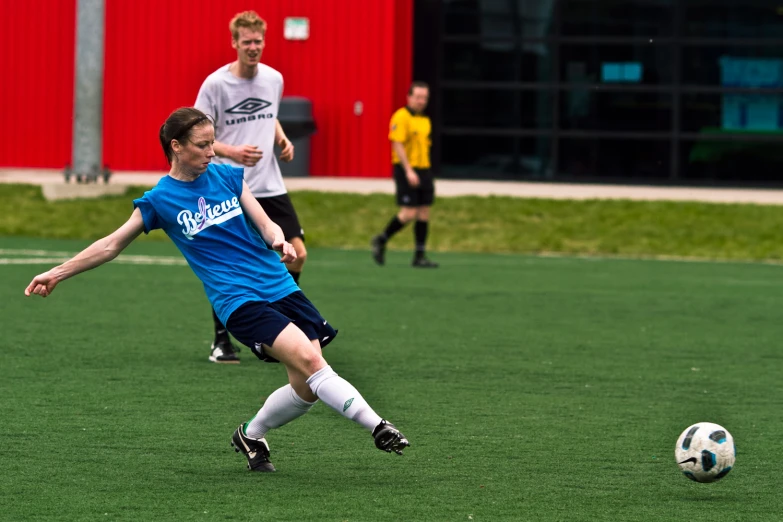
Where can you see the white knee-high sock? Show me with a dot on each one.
(340, 395)
(280, 408)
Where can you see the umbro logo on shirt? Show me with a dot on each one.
(249, 106)
(248, 109)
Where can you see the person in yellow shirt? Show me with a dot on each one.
(410, 135)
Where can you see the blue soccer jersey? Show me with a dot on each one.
(204, 219)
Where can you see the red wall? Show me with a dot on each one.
(36, 60)
(158, 53)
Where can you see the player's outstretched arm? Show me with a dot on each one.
(270, 231)
(100, 252)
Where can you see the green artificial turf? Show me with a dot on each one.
(531, 388)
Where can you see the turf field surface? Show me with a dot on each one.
(530, 388)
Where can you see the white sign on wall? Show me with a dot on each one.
(296, 28)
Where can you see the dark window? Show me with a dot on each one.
(732, 66)
(732, 112)
(461, 17)
(507, 109)
(740, 161)
(599, 77)
(503, 18)
(494, 157)
(732, 18)
(615, 111)
(616, 64)
(640, 18)
(604, 158)
(497, 60)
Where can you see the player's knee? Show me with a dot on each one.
(311, 361)
(407, 214)
(423, 213)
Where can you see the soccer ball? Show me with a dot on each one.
(705, 452)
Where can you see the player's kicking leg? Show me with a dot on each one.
(310, 379)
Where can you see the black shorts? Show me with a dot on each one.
(421, 196)
(280, 209)
(258, 323)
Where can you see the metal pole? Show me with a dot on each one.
(87, 147)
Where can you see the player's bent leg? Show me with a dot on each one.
(301, 358)
(222, 350)
(341, 396)
(298, 380)
(283, 406)
(296, 352)
(304, 362)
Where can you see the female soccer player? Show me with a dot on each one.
(207, 211)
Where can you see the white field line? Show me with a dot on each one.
(23, 252)
(50, 256)
(45, 257)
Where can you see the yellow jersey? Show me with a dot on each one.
(414, 132)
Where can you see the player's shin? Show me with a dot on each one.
(281, 407)
(341, 396)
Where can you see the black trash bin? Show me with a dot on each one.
(296, 117)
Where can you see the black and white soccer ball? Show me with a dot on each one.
(705, 452)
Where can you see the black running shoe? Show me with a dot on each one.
(388, 438)
(378, 249)
(423, 262)
(223, 352)
(256, 451)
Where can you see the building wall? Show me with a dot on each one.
(37, 60)
(158, 53)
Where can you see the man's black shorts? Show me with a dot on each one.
(421, 196)
(281, 211)
(258, 323)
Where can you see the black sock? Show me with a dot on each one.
(221, 333)
(394, 226)
(295, 275)
(420, 234)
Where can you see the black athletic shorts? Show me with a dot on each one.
(280, 209)
(257, 324)
(421, 196)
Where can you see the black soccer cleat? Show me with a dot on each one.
(256, 451)
(378, 250)
(423, 262)
(388, 438)
(223, 352)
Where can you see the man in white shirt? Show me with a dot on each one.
(243, 98)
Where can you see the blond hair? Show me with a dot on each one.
(249, 20)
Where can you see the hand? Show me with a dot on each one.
(287, 147)
(247, 155)
(42, 284)
(413, 178)
(285, 248)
